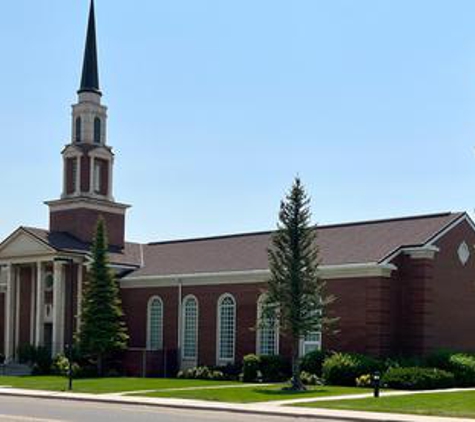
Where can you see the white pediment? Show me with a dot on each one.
(23, 244)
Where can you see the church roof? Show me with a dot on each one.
(90, 70)
(352, 243)
(130, 255)
(340, 244)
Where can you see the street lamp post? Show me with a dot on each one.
(70, 263)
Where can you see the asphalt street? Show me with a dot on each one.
(16, 409)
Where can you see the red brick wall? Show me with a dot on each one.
(82, 223)
(2, 322)
(85, 173)
(26, 278)
(451, 322)
(364, 307)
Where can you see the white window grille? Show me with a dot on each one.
(226, 328)
(312, 341)
(190, 328)
(155, 324)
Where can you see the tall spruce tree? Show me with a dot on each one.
(103, 331)
(294, 288)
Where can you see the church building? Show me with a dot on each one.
(402, 285)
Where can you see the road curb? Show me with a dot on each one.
(287, 412)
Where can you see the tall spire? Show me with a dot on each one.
(90, 72)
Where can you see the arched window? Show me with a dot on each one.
(155, 324)
(226, 328)
(78, 129)
(268, 329)
(190, 328)
(97, 130)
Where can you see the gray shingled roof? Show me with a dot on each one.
(351, 243)
(362, 242)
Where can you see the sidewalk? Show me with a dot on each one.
(267, 408)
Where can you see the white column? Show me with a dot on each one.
(40, 305)
(9, 315)
(110, 175)
(77, 182)
(58, 309)
(91, 176)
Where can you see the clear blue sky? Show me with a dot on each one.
(216, 105)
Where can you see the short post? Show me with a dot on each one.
(376, 384)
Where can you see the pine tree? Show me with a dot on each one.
(294, 288)
(103, 331)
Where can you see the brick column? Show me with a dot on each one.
(416, 297)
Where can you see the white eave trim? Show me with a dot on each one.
(327, 272)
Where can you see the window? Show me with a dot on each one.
(268, 330)
(78, 129)
(311, 342)
(97, 130)
(226, 328)
(155, 324)
(190, 328)
(97, 176)
(48, 282)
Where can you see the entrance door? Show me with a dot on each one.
(48, 339)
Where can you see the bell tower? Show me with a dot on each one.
(88, 162)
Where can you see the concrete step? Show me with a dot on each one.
(14, 370)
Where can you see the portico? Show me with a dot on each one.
(37, 286)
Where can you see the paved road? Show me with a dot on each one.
(15, 409)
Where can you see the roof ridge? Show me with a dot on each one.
(324, 226)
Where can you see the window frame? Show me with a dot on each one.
(219, 358)
(183, 327)
(149, 323)
(260, 303)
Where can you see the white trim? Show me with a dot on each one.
(219, 359)
(184, 358)
(33, 293)
(462, 218)
(149, 304)
(40, 295)
(327, 272)
(87, 203)
(22, 231)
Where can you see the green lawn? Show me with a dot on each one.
(103, 385)
(255, 394)
(456, 404)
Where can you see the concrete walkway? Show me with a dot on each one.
(267, 408)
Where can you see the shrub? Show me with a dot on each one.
(250, 368)
(418, 378)
(2, 358)
(231, 371)
(312, 362)
(460, 364)
(274, 368)
(60, 366)
(38, 358)
(265, 368)
(344, 368)
(201, 373)
(364, 381)
(310, 379)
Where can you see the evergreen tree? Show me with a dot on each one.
(295, 289)
(103, 331)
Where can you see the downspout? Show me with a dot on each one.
(180, 294)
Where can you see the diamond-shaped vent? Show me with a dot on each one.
(463, 253)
